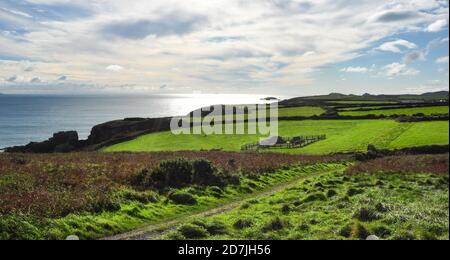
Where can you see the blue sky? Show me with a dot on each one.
(276, 47)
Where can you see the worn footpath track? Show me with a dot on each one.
(156, 231)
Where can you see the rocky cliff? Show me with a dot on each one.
(101, 135)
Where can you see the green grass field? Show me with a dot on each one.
(300, 111)
(400, 111)
(342, 136)
(306, 111)
(362, 102)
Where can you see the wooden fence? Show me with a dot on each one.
(287, 143)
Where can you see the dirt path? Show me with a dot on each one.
(153, 232)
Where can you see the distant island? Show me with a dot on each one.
(270, 99)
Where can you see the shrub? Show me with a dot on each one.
(178, 172)
(192, 231)
(181, 173)
(204, 173)
(182, 198)
(243, 223)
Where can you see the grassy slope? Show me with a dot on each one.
(342, 136)
(401, 111)
(389, 205)
(422, 134)
(135, 214)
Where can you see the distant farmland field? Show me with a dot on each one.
(300, 111)
(362, 102)
(342, 136)
(400, 111)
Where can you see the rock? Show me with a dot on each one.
(101, 135)
(60, 142)
(61, 138)
(122, 130)
(72, 238)
(372, 238)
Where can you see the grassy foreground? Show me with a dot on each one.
(342, 136)
(94, 195)
(371, 199)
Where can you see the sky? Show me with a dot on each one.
(276, 47)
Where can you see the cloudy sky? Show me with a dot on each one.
(283, 47)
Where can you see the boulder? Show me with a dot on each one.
(372, 238)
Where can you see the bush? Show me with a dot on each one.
(192, 231)
(181, 173)
(182, 198)
(178, 173)
(204, 174)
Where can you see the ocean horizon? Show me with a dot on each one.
(34, 118)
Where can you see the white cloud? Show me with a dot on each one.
(114, 68)
(442, 60)
(399, 69)
(355, 70)
(257, 44)
(394, 46)
(15, 12)
(437, 26)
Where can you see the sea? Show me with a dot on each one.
(34, 118)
